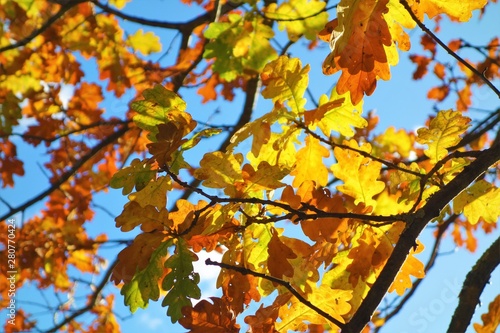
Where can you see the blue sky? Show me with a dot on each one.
(400, 102)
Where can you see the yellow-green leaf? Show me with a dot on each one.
(482, 199)
(336, 114)
(358, 173)
(444, 132)
(286, 81)
(310, 165)
(146, 43)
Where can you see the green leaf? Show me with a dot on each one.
(181, 282)
(156, 108)
(239, 45)
(137, 175)
(144, 284)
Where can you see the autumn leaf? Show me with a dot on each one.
(279, 253)
(491, 319)
(359, 43)
(481, 200)
(159, 106)
(337, 114)
(358, 173)
(240, 45)
(455, 9)
(332, 301)
(412, 266)
(285, 80)
(309, 165)
(147, 217)
(137, 175)
(299, 17)
(181, 283)
(144, 285)
(219, 170)
(444, 132)
(146, 43)
(206, 317)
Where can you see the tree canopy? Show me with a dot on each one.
(232, 142)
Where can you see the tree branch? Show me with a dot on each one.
(292, 290)
(473, 286)
(408, 238)
(110, 139)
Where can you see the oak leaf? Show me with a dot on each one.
(206, 317)
(146, 43)
(279, 254)
(444, 132)
(137, 175)
(481, 200)
(491, 319)
(336, 114)
(412, 266)
(285, 80)
(299, 17)
(309, 164)
(144, 285)
(358, 173)
(181, 282)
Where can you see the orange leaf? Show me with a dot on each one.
(279, 253)
(206, 317)
(491, 319)
(412, 266)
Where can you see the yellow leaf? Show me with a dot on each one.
(146, 43)
(286, 81)
(332, 301)
(358, 173)
(460, 10)
(412, 266)
(336, 114)
(309, 165)
(443, 132)
(118, 3)
(396, 141)
(491, 319)
(480, 200)
(299, 17)
(220, 170)
(154, 193)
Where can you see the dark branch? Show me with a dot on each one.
(473, 286)
(408, 238)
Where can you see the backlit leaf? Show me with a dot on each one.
(144, 285)
(358, 173)
(481, 200)
(285, 81)
(444, 132)
(310, 165)
(146, 43)
(181, 282)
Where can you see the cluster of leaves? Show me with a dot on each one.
(309, 206)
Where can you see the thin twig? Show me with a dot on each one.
(444, 46)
